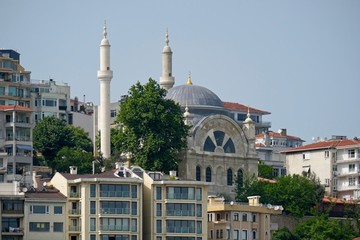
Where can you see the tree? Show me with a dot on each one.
(151, 128)
(284, 234)
(74, 157)
(265, 171)
(80, 139)
(49, 136)
(297, 194)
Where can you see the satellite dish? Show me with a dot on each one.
(269, 206)
(276, 208)
(231, 203)
(24, 189)
(281, 208)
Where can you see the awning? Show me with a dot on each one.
(24, 147)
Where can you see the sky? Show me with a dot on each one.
(299, 60)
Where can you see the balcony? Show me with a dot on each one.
(73, 228)
(115, 211)
(62, 108)
(74, 212)
(180, 230)
(13, 231)
(74, 195)
(115, 227)
(180, 213)
(348, 187)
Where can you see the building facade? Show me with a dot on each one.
(240, 221)
(174, 208)
(106, 206)
(336, 162)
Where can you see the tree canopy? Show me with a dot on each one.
(51, 136)
(297, 194)
(151, 129)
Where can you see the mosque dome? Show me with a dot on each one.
(193, 95)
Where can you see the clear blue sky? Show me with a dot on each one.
(300, 60)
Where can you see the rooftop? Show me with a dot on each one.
(328, 144)
(243, 108)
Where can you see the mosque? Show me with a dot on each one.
(221, 149)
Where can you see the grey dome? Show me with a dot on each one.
(193, 95)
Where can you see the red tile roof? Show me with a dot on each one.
(240, 107)
(14, 107)
(325, 145)
(279, 135)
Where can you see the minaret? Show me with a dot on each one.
(104, 75)
(167, 80)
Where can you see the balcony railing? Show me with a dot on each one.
(180, 230)
(180, 213)
(74, 211)
(115, 228)
(115, 211)
(74, 194)
(114, 194)
(73, 228)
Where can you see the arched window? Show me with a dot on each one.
(229, 177)
(208, 174)
(217, 141)
(240, 178)
(198, 173)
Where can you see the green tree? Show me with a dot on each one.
(151, 128)
(297, 194)
(284, 234)
(49, 136)
(80, 139)
(321, 227)
(74, 157)
(265, 171)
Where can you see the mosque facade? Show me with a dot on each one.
(220, 149)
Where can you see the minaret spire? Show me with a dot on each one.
(167, 80)
(105, 33)
(104, 75)
(189, 82)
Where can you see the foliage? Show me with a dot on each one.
(49, 136)
(265, 171)
(80, 139)
(284, 234)
(151, 129)
(74, 157)
(321, 227)
(297, 194)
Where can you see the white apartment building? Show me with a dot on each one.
(106, 206)
(269, 145)
(336, 162)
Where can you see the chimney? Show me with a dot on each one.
(282, 131)
(73, 170)
(172, 174)
(34, 179)
(254, 200)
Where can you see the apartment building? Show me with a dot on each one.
(269, 145)
(335, 161)
(44, 212)
(106, 206)
(174, 208)
(241, 221)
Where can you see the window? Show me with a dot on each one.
(114, 190)
(236, 216)
(58, 209)
(58, 227)
(180, 226)
(39, 209)
(229, 177)
(198, 227)
(92, 224)
(254, 217)
(211, 234)
(244, 217)
(244, 235)
(198, 194)
(180, 209)
(39, 226)
(180, 193)
(306, 156)
(210, 217)
(351, 167)
(217, 141)
(158, 193)
(283, 172)
(92, 190)
(351, 181)
(275, 172)
(236, 235)
(208, 174)
(327, 154)
(115, 224)
(198, 173)
(351, 153)
(133, 225)
(114, 207)
(133, 191)
(133, 208)
(92, 207)
(227, 233)
(198, 210)
(112, 113)
(92, 237)
(158, 209)
(253, 234)
(158, 226)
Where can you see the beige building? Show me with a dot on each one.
(173, 208)
(44, 213)
(336, 162)
(240, 221)
(106, 206)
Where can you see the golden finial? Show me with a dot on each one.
(189, 82)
